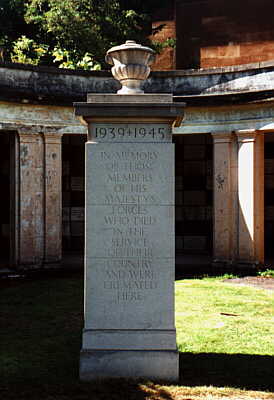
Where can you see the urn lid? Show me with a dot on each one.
(128, 45)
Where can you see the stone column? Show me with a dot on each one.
(223, 243)
(31, 194)
(129, 254)
(53, 197)
(259, 198)
(251, 197)
(235, 199)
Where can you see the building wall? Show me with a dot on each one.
(163, 29)
(237, 205)
(231, 120)
(216, 33)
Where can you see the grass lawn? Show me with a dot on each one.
(224, 334)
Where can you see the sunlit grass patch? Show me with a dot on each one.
(219, 317)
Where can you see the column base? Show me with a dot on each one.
(148, 364)
(235, 265)
(218, 263)
(248, 265)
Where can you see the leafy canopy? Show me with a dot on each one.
(71, 33)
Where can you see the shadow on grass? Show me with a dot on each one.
(111, 389)
(243, 371)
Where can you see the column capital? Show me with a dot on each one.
(221, 137)
(27, 131)
(40, 129)
(26, 136)
(53, 137)
(248, 135)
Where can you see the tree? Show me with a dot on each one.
(85, 28)
(74, 33)
(11, 22)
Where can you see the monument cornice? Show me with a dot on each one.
(168, 110)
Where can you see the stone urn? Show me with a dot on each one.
(131, 63)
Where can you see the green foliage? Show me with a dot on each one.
(73, 33)
(84, 28)
(12, 24)
(63, 57)
(26, 51)
(160, 46)
(268, 273)
(229, 276)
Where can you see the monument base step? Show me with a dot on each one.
(148, 364)
(129, 339)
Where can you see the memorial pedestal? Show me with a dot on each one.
(129, 250)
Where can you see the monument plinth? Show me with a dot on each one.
(129, 248)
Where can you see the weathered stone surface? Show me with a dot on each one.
(53, 197)
(251, 197)
(112, 110)
(160, 365)
(223, 222)
(131, 63)
(130, 291)
(229, 119)
(31, 181)
(130, 234)
(144, 98)
(55, 86)
(129, 175)
(130, 249)
(125, 339)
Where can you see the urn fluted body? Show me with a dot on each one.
(131, 63)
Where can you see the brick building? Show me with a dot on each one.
(214, 33)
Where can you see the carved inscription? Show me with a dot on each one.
(129, 266)
(128, 132)
(131, 176)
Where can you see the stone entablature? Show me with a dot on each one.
(259, 116)
(43, 118)
(40, 118)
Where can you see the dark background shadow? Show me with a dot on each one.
(203, 24)
(244, 371)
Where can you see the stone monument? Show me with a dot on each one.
(129, 236)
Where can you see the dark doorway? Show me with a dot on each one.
(7, 186)
(269, 195)
(73, 194)
(193, 198)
